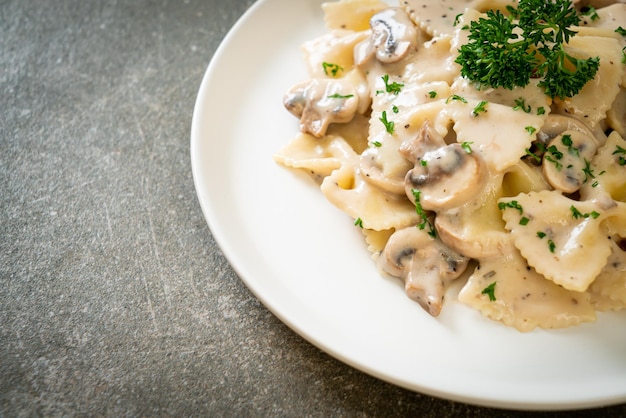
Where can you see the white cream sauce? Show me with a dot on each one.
(528, 188)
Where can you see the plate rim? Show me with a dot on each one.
(222, 241)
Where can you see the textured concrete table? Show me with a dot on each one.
(114, 298)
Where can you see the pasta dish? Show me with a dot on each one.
(472, 141)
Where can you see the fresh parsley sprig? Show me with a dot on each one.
(507, 51)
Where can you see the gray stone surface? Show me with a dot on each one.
(114, 298)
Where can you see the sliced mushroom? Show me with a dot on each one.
(425, 264)
(475, 229)
(569, 147)
(555, 124)
(566, 159)
(446, 177)
(319, 102)
(426, 139)
(393, 37)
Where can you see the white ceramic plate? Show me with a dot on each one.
(307, 262)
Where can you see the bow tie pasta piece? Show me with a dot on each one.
(559, 237)
(332, 55)
(316, 156)
(376, 240)
(597, 96)
(439, 17)
(508, 290)
(349, 191)
(501, 133)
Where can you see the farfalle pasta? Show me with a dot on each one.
(520, 193)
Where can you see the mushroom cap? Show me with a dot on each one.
(393, 37)
(566, 158)
(319, 102)
(446, 177)
(425, 264)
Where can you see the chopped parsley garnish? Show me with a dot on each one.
(588, 171)
(524, 221)
(520, 104)
(432, 94)
(340, 96)
(551, 244)
(332, 68)
(621, 155)
(513, 204)
(539, 148)
(576, 214)
(456, 19)
(490, 291)
(377, 144)
(553, 155)
(394, 87)
(480, 108)
(591, 12)
(456, 97)
(530, 129)
(422, 214)
(541, 111)
(389, 125)
(467, 146)
(358, 222)
(503, 52)
(395, 109)
(569, 143)
(621, 31)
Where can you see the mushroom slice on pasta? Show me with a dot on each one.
(475, 229)
(506, 289)
(561, 238)
(426, 265)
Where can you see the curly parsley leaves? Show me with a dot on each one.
(506, 51)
